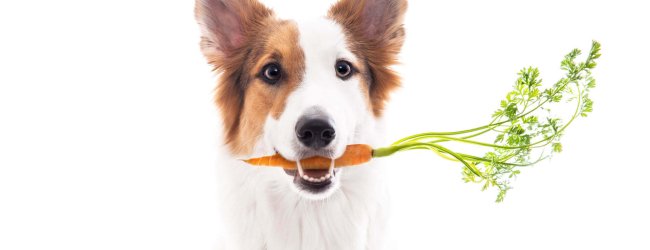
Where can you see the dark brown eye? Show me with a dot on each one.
(343, 69)
(271, 73)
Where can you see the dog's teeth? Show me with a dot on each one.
(331, 169)
(314, 179)
(300, 171)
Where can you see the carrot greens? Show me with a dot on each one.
(524, 129)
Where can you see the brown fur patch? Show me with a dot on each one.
(278, 44)
(240, 38)
(375, 33)
(365, 80)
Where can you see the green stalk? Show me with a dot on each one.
(387, 151)
(513, 145)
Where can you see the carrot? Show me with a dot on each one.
(355, 154)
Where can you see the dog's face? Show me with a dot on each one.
(302, 88)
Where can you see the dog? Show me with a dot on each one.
(301, 89)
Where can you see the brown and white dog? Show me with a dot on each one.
(301, 88)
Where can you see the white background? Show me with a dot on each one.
(108, 131)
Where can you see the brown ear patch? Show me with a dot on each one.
(228, 29)
(227, 25)
(374, 31)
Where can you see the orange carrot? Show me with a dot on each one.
(355, 154)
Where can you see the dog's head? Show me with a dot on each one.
(302, 88)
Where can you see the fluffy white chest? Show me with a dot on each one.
(262, 212)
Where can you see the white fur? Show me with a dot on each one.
(262, 207)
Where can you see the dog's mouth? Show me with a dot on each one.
(313, 180)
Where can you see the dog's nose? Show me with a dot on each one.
(315, 133)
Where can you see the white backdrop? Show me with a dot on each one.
(108, 131)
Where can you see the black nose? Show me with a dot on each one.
(314, 133)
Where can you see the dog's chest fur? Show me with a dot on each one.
(262, 212)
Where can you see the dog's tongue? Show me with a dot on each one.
(316, 173)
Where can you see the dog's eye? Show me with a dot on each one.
(271, 73)
(343, 69)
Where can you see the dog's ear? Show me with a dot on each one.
(377, 33)
(372, 21)
(227, 25)
(227, 29)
